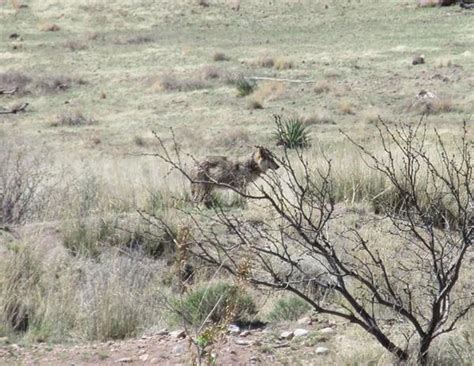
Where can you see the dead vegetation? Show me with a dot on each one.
(21, 83)
(74, 118)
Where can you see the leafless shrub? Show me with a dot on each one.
(55, 83)
(254, 104)
(346, 107)
(170, 82)
(74, 46)
(139, 141)
(366, 283)
(282, 63)
(235, 137)
(49, 27)
(24, 84)
(211, 72)
(21, 179)
(265, 61)
(73, 118)
(220, 56)
(134, 40)
(203, 3)
(15, 81)
(321, 117)
(322, 86)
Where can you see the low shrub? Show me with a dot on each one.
(288, 309)
(216, 303)
(292, 133)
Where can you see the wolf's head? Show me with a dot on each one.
(264, 159)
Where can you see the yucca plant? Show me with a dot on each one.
(244, 87)
(291, 132)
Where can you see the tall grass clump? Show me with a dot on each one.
(292, 133)
(244, 87)
(215, 303)
(53, 297)
(288, 309)
(91, 238)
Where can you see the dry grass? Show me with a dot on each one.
(282, 63)
(73, 118)
(372, 114)
(136, 39)
(321, 87)
(253, 103)
(211, 72)
(270, 91)
(346, 107)
(13, 80)
(49, 27)
(321, 117)
(220, 56)
(170, 82)
(75, 45)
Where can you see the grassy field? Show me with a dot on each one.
(100, 76)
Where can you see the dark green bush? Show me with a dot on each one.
(288, 308)
(244, 87)
(217, 302)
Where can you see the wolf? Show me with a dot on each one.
(221, 171)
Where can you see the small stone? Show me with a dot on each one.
(144, 357)
(163, 332)
(178, 334)
(327, 331)
(322, 350)
(418, 60)
(286, 335)
(233, 329)
(300, 332)
(305, 321)
(124, 360)
(179, 349)
(245, 333)
(242, 342)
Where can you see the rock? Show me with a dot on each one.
(144, 357)
(286, 335)
(124, 360)
(179, 349)
(163, 332)
(300, 332)
(322, 350)
(305, 321)
(245, 333)
(3, 339)
(418, 60)
(178, 334)
(327, 331)
(242, 342)
(233, 329)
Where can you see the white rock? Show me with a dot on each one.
(178, 334)
(304, 321)
(233, 329)
(144, 357)
(242, 342)
(124, 360)
(286, 335)
(322, 350)
(245, 333)
(179, 349)
(162, 332)
(327, 331)
(300, 332)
